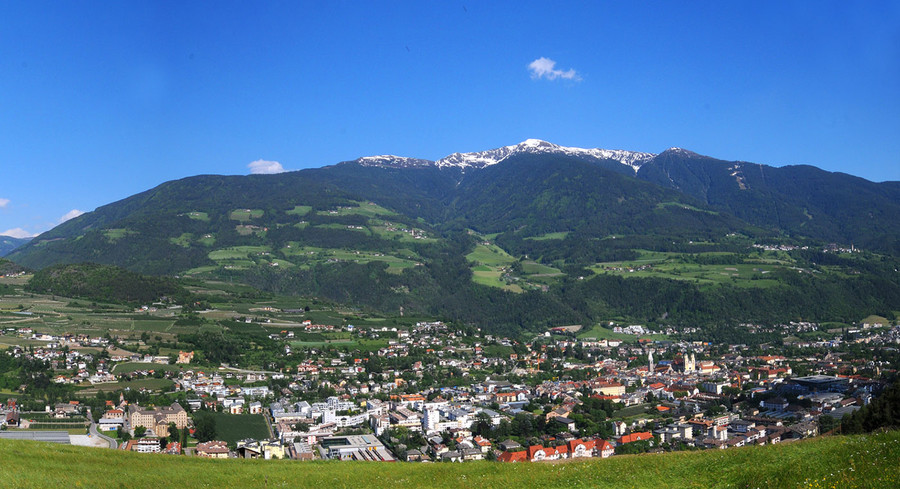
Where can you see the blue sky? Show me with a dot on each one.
(101, 100)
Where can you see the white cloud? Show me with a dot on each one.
(72, 214)
(17, 233)
(263, 167)
(546, 68)
(3, 203)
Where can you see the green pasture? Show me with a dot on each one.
(368, 209)
(543, 237)
(184, 240)
(601, 333)
(492, 278)
(333, 225)
(235, 427)
(490, 255)
(198, 216)
(398, 232)
(665, 265)
(245, 214)
(248, 229)
(237, 252)
(114, 235)
(299, 210)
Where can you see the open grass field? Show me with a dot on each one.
(830, 462)
(184, 240)
(311, 255)
(299, 210)
(236, 252)
(127, 367)
(543, 237)
(368, 209)
(197, 216)
(490, 255)
(245, 214)
(234, 427)
(667, 265)
(398, 232)
(490, 276)
(601, 333)
(117, 234)
(487, 262)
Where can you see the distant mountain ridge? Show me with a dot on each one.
(523, 236)
(482, 159)
(531, 187)
(8, 244)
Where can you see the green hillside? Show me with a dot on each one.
(830, 462)
(534, 242)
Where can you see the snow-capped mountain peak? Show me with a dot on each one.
(481, 159)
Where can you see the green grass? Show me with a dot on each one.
(299, 210)
(234, 427)
(198, 216)
(247, 230)
(344, 226)
(601, 333)
(368, 209)
(184, 240)
(490, 255)
(312, 255)
(534, 268)
(491, 278)
(487, 262)
(667, 265)
(543, 237)
(829, 462)
(394, 231)
(245, 214)
(114, 235)
(873, 319)
(127, 367)
(236, 252)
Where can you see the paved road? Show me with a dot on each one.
(93, 431)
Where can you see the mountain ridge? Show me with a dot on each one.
(482, 159)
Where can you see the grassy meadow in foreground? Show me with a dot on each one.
(868, 461)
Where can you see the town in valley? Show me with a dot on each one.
(318, 382)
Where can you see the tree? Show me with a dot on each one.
(204, 427)
(827, 423)
(140, 431)
(173, 432)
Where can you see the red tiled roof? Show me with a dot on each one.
(641, 436)
(512, 457)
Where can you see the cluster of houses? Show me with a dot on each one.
(676, 391)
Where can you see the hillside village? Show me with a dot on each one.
(440, 394)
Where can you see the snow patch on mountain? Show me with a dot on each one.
(482, 159)
(391, 161)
